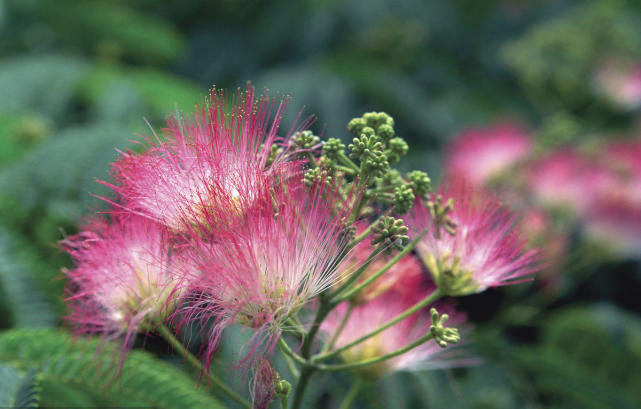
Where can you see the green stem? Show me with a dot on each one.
(352, 394)
(180, 348)
(322, 312)
(283, 401)
(347, 162)
(297, 328)
(330, 344)
(303, 380)
(312, 160)
(350, 293)
(345, 169)
(416, 307)
(289, 352)
(377, 359)
(384, 196)
(306, 350)
(290, 364)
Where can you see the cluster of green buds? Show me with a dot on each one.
(305, 139)
(369, 158)
(442, 335)
(391, 233)
(375, 146)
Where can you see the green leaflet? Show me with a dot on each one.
(43, 84)
(112, 30)
(19, 289)
(17, 389)
(86, 372)
(161, 92)
(42, 196)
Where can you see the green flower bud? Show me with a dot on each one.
(376, 119)
(391, 233)
(403, 198)
(282, 388)
(390, 178)
(274, 150)
(369, 150)
(442, 335)
(305, 139)
(368, 131)
(333, 147)
(317, 175)
(397, 148)
(385, 131)
(356, 125)
(420, 182)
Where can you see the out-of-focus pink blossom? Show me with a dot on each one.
(271, 264)
(565, 180)
(219, 157)
(480, 154)
(621, 83)
(368, 316)
(124, 277)
(486, 251)
(615, 214)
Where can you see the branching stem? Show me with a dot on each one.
(416, 307)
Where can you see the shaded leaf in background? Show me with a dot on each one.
(43, 84)
(18, 390)
(85, 372)
(20, 291)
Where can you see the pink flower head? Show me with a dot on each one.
(615, 215)
(486, 249)
(565, 180)
(621, 83)
(218, 158)
(271, 264)
(367, 317)
(478, 155)
(403, 276)
(124, 276)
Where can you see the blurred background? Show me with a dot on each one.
(80, 78)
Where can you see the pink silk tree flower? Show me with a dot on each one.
(125, 277)
(368, 316)
(486, 250)
(270, 265)
(620, 82)
(219, 157)
(615, 215)
(480, 154)
(565, 180)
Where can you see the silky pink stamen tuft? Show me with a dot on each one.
(218, 157)
(486, 250)
(125, 276)
(270, 265)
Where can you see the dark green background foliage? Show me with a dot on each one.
(79, 78)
